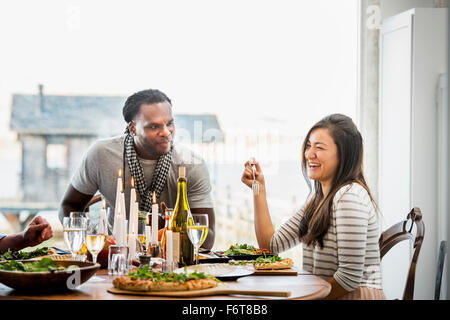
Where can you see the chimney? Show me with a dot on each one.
(41, 97)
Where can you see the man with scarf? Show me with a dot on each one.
(147, 153)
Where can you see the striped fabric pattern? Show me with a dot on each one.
(351, 254)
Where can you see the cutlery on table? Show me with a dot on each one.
(255, 184)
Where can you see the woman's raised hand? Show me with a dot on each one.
(247, 176)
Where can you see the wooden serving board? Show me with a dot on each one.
(221, 289)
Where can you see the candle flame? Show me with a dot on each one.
(104, 204)
(148, 220)
(132, 182)
(154, 197)
(120, 173)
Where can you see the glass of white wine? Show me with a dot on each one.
(197, 228)
(74, 230)
(95, 234)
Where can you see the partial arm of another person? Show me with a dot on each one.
(86, 178)
(73, 200)
(38, 231)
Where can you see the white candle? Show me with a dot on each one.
(119, 213)
(117, 207)
(169, 247)
(134, 216)
(155, 223)
(154, 220)
(132, 245)
(103, 217)
(148, 233)
(119, 228)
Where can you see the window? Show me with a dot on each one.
(56, 156)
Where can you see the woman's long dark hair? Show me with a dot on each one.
(318, 211)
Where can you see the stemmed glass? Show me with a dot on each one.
(197, 231)
(96, 232)
(74, 230)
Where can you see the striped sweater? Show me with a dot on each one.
(351, 253)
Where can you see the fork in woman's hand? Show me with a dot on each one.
(255, 184)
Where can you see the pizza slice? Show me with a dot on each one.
(274, 262)
(145, 280)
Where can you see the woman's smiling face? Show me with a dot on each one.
(321, 156)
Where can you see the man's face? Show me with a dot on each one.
(154, 129)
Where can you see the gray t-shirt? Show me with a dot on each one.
(99, 169)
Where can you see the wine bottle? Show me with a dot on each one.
(181, 213)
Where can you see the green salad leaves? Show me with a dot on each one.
(269, 259)
(43, 265)
(23, 255)
(243, 250)
(145, 273)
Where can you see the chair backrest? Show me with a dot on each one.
(94, 200)
(400, 232)
(440, 268)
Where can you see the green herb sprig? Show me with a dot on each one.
(265, 259)
(145, 273)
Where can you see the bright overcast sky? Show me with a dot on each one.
(294, 61)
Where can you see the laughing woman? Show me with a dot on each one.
(338, 225)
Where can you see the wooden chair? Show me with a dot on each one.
(400, 232)
(440, 268)
(94, 200)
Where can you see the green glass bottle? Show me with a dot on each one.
(181, 215)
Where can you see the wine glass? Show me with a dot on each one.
(74, 230)
(197, 230)
(95, 234)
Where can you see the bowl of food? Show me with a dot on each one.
(46, 274)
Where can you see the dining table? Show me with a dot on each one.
(302, 286)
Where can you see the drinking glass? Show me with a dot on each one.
(74, 230)
(118, 260)
(82, 254)
(154, 250)
(141, 234)
(169, 211)
(197, 231)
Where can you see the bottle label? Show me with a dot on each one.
(176, 246)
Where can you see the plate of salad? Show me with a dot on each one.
(45, 274)
(245, 252)
(33, 254)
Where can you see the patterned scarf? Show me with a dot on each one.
(159, 175)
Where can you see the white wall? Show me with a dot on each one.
(428, 31)
(428, 66)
